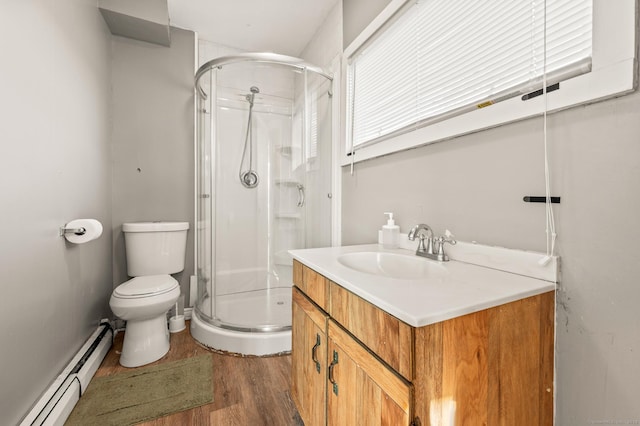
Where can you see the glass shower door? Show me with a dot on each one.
(244, 233)
(318, 159)
(204, 227)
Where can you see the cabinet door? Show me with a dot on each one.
(309, 360)
(362, 390)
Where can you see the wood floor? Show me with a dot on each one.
(246, 390)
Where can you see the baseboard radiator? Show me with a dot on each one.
(55, 405)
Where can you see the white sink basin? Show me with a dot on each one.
(391, 265)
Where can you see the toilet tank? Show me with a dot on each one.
(155, 248)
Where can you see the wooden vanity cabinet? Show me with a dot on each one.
(492, 367)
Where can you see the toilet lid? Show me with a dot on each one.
(146, 286)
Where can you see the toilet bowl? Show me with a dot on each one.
(143, 302)
(154, 250)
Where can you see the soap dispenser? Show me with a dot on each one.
(390, 233)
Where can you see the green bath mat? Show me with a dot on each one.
(145, 393)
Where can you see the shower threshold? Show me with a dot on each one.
(255, 323)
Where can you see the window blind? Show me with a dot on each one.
(440, 58)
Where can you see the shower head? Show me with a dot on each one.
(250, 96)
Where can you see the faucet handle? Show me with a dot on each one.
(442, 240)
(449, 237)
(439, 244)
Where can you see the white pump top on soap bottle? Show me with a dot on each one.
(390, 233)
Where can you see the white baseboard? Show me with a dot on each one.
(58, 400)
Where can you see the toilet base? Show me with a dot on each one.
(145, 341)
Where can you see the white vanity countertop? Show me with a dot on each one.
(464, 288)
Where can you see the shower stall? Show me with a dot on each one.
(264, 161)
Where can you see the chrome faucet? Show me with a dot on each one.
(420, 230)
(434, 247)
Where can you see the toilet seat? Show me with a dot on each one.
(151, 285)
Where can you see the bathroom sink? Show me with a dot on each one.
(399, 266)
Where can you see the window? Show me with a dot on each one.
(429, 70)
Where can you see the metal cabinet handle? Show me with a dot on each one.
(331, 379)
(300, 195)
(314, 353)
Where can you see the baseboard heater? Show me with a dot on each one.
(55, 405)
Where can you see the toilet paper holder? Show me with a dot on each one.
(78, 231)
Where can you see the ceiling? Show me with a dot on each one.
(280, 26)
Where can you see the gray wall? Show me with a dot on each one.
(147, 10)
(357, 14)
(153, 160)
(145, 20)
(54, 167)
(473, 185)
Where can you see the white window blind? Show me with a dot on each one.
(440, 58)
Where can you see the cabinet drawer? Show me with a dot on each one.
(314, 285)
(385, 335)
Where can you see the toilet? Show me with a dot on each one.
(154, 250)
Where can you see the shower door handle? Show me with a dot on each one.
(300, 195)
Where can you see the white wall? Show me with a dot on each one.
(326, 43)
(55, 166)
(358, 14)
(208, 50)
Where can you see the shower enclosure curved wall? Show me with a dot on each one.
(264, 187)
